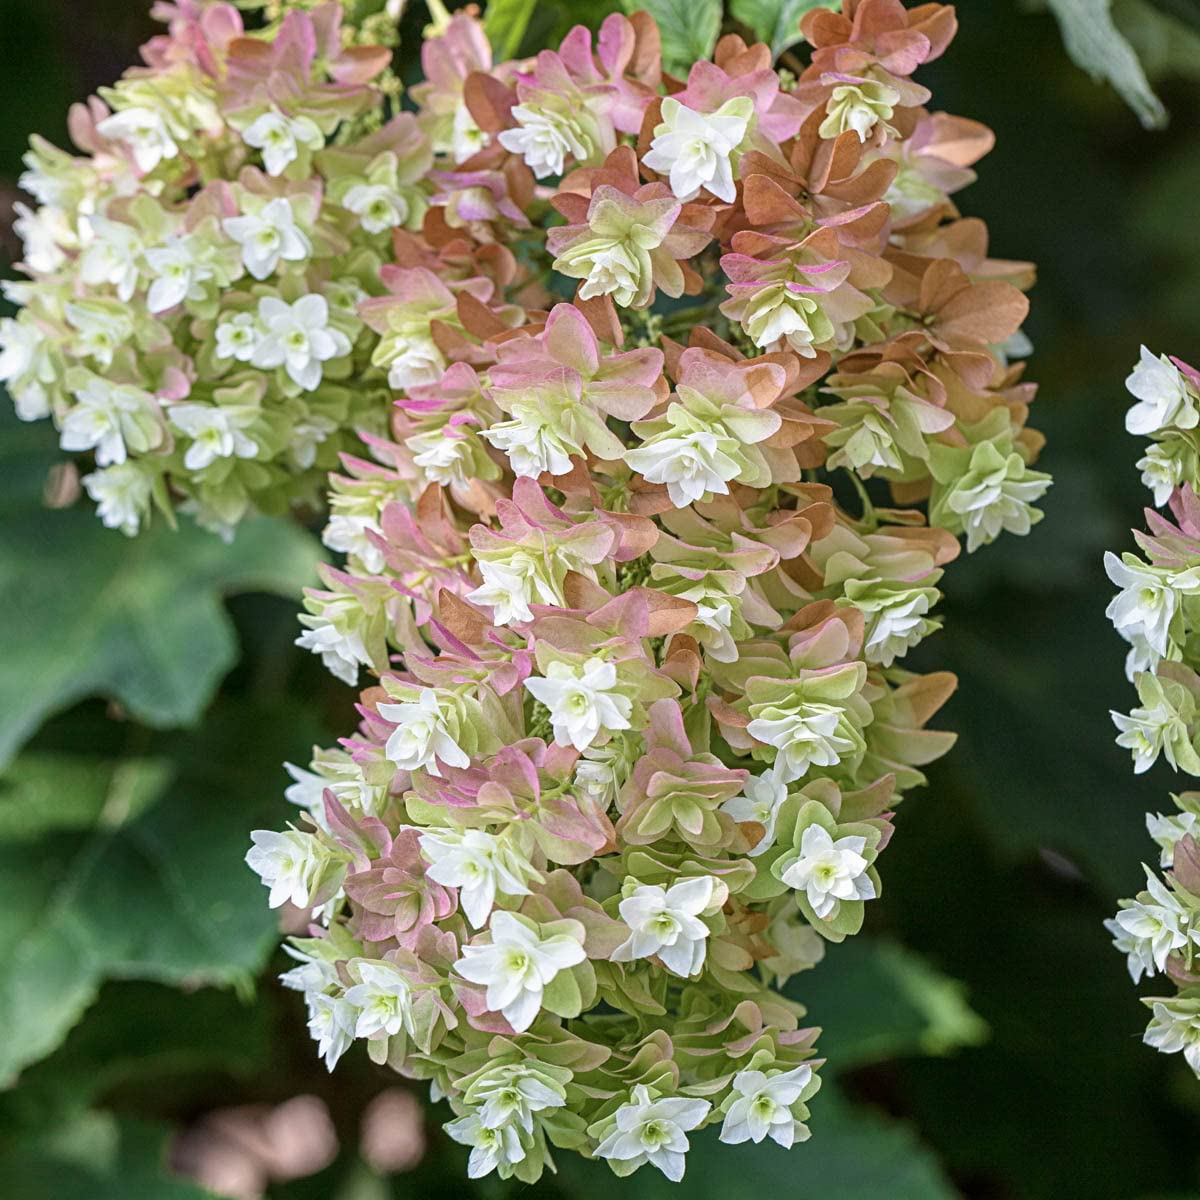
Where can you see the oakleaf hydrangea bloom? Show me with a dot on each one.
(581, 702)
(654, 1131)
(587, 352)
(1166, 397)
(1175, 1027)
(1156, 612)
(762, 1106)
(207, 240)
(829, 871)
(517, 966)
(479, 864)
(694, 150)
(666, 922)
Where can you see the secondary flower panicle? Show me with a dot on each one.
(203, 257)
(1157, 611)
(688, 406)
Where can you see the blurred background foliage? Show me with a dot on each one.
(983, 1039)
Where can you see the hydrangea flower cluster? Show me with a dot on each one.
(1157, 611)
(631, 576)
(191, 318)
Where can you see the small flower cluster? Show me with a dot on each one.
(632, 576)
(191, 317)
(1157, 612)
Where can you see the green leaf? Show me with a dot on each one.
(164, 897)
(98, 1157)
(1095, 44)
(141, 620)
(875, 1000)
(854, 1154)
(776, 22)
(146, 1040)
(505, 22)
(42, 793)
(689, 29)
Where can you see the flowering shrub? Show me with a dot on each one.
(1157, 612)
(631, 575)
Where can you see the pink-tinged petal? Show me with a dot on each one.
(569, 339)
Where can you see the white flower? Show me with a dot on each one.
(331, 1021)
(649, 1130)
(1144, 609)
(267, 236)
(145, 132)
(466, 139)
(532, 443)
(1155, 727)
(1150, 931)
(180, 269)
(713, 626)
(602, 770)
(239, 337)
(42, 234)
(113, 419)
(691, 465)
(490, 1148)
(524, 577)
(829, 871)
(26, 367)
(666, 922)
(421, 738)
(307, 434)
(517, 966)
(442, 456)
(298, 337)
(694, 149)
(896, 618)
(506, 589)
(479, 864)
(111, 256)
(1164, 468)
(378, 207)
(280, 139)
(419, 362)
(581, 701)
(544, 139)
(383, 998)
(122, 496)
(763, 1107)
(340, 774)
(102, 328)
(760, 802)
(348, 535)
(806, 737)
(313, 975)
(859, 105)
(511, 1093)
(1165, 400)
(614, 267)
(1175, 1026)
(217, 432)
(1167, 832)
(996, 495)
(289, 863)
(336, 635)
